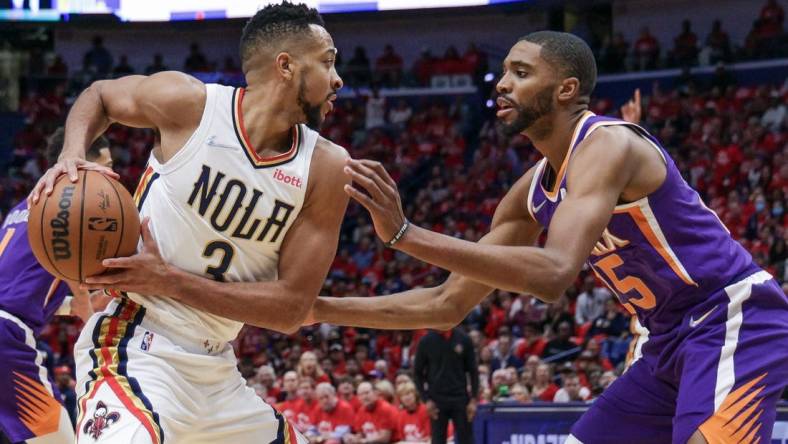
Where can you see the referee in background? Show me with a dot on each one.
(445, 368)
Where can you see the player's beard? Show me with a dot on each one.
(313, 114)
(527, 115)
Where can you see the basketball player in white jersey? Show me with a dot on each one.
(242, 204)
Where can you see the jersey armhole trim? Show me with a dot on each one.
(637, 128)
(534, 180)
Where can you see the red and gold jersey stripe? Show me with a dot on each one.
(250, 151)
(143, 187)
(110, 337)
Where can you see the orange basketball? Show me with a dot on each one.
(80, 224)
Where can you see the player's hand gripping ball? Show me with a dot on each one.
(82, 223)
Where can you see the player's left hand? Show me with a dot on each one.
(145, 272)
(382, 199)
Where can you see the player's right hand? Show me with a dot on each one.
(68, 166)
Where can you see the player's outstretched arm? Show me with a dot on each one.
(598, 174)
(171, 102)
(439, 307)
(305, 257)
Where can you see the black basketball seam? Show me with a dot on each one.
(82, 222)
(122, 219)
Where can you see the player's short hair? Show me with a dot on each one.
(271, 25)
(569, 54)
(55, 146)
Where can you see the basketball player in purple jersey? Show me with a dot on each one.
(30, 407)
(716, 358)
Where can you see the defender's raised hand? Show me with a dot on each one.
(632, 110)
(382, 198)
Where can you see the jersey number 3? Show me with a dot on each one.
(226, 251)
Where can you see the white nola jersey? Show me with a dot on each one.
(219, 210)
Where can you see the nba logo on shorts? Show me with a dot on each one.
(146, 341)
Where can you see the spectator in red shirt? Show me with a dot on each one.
(289, 406)
(348, 393)
(646, 50)
(308, 368)
(413, 423)
(424, 67)
(362, 356)
(307, 406)
(333, 419)
(266, 377)
(476, 60)
(375, 420)
(544, 389)
(388, 68)
(532, 343)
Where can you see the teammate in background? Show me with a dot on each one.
(241, 206)
(29, 298)
(715, 361)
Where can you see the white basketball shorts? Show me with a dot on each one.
(139, 381)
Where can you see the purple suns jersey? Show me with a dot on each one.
(27, 291)
(662, 254)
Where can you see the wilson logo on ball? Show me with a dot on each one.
(102, 224)
(61, 247)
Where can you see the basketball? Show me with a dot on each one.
(80, 224)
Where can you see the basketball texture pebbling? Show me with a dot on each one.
(82, 223)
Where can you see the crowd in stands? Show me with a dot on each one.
(766, 39)
(730, 142)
